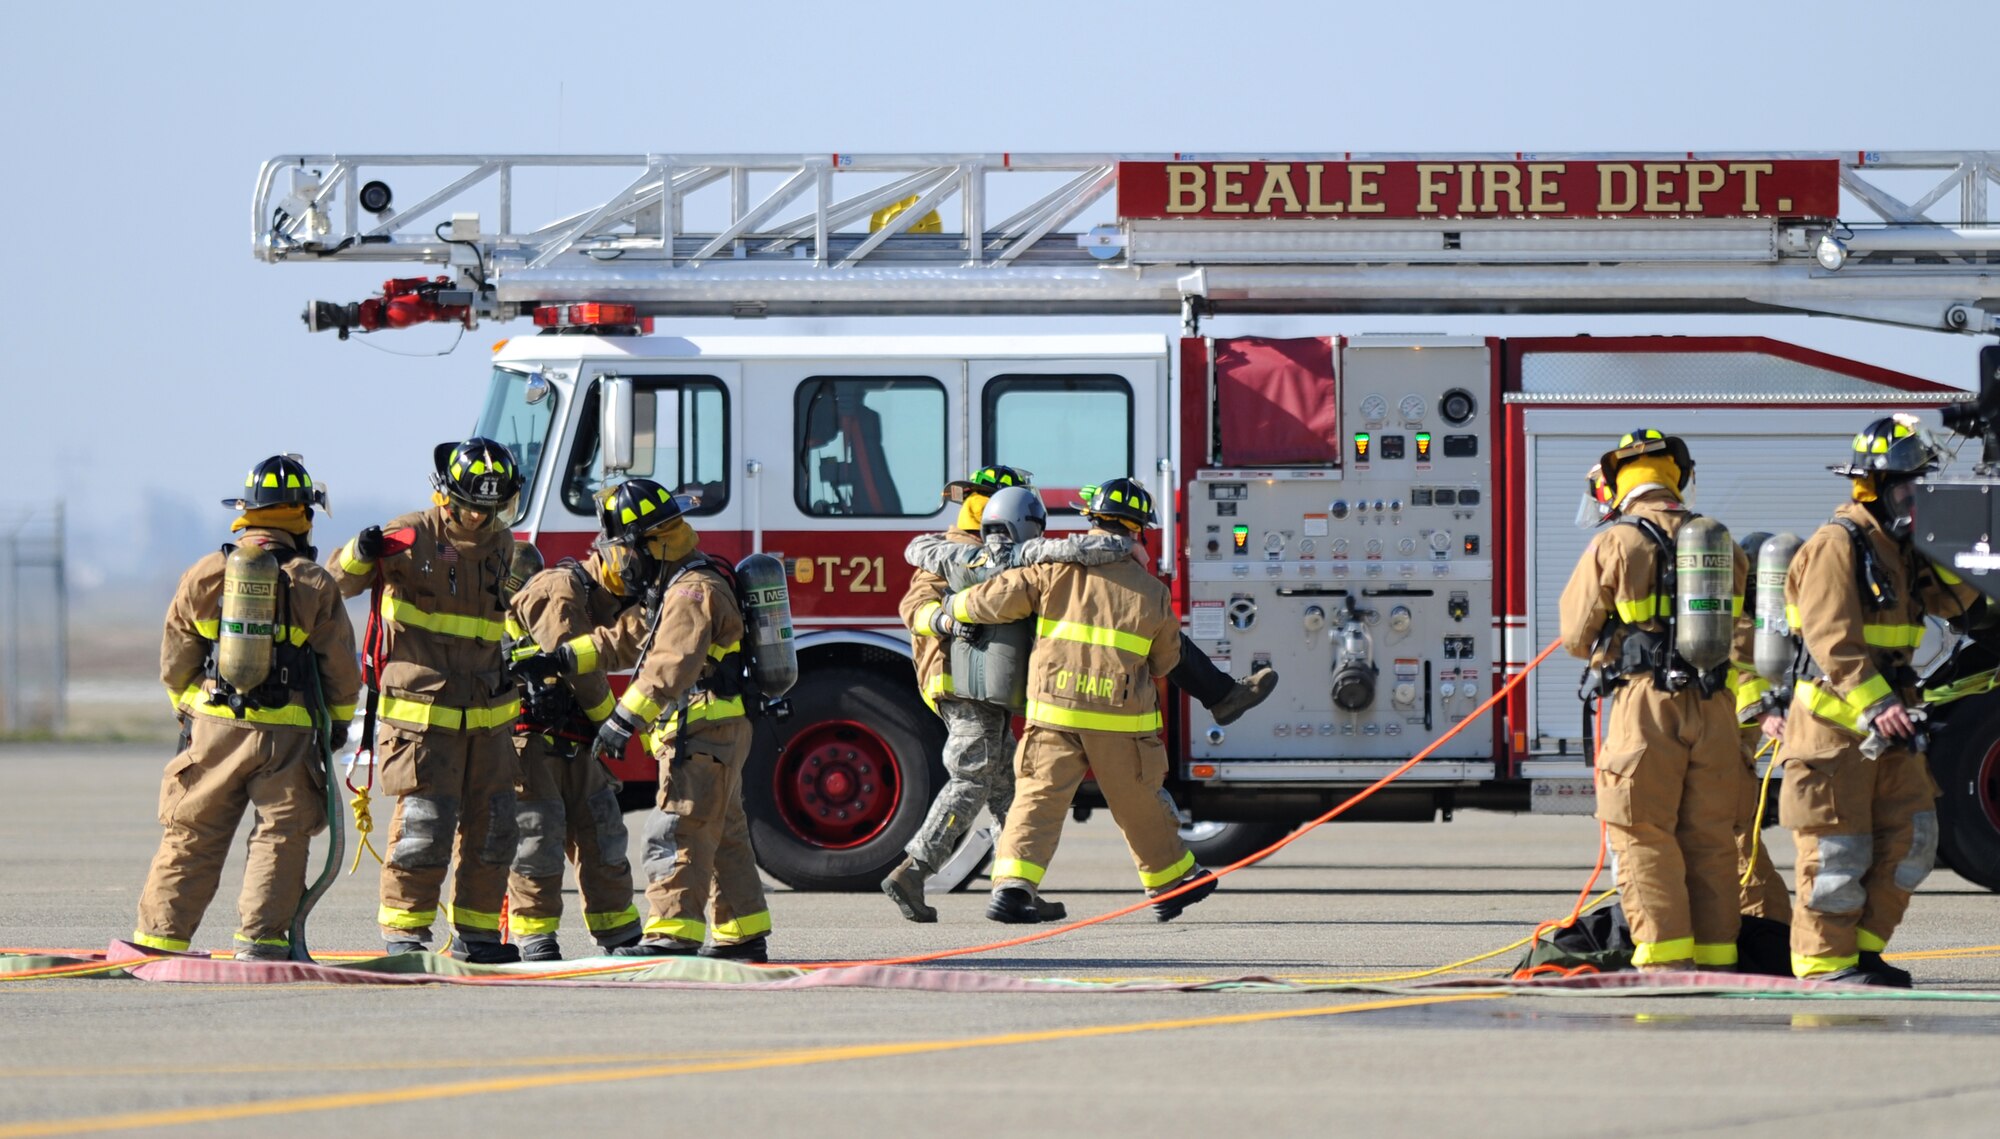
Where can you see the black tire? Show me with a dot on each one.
(1219, 844)
(913, 736)
(1965, 761)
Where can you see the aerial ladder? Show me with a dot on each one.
(1899, 237)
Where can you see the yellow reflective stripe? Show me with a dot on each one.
(1959, 689)
(1643, 609)
(1792, 620)
(195, 699)
(1174, 873)
(731, 709)
(1735, 605)
(1868, 942)
(920, 625)
(743, 928)
(1869, 692)
(1060, 717)
(1804, 966)
(602, 922)
(389, 917)
(208, 629)
(278, 942)
(353, 563)
(212, 630)
(1093, 635)
(1723, 954)
(515, 630)
(1828, 706)
(340, 712)
(447, 624)
(1892, 636)
(1749, 688)
(640, 705)
(472, 919)
(170, 944)
(687, 929)
(1014, 868)
(717, 652)
(1656, 952)
(521, 926)
(1946, 576)
(584, 648)
(600, 711)
(443, 716)
(958, 610)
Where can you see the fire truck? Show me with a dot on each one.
(1386, 519)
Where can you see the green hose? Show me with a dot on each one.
(336, 825)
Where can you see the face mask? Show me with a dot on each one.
(1898, 506)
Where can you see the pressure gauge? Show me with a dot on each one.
(1374, 547)
(1339, 547)
(1374, 409)
(1307, 547)
(1412, 408)
(1274, 544)
(1441, 540)
(1406, 546)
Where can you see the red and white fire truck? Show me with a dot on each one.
(1386, 519)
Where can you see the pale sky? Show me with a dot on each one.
(152, 356)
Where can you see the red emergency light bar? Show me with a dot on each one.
(591, 314)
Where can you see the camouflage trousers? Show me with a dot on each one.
(979, 763)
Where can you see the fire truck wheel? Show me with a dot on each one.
(1219, 844)
(835, 790)
(1965, 761)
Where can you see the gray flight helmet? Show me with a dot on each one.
(1016, 512)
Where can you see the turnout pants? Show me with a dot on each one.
(1867, 836)
(569, 807)
(1669, 781)
(979, 765)
(1763, 892)
(454, 812)
(698, 857)
(1130, 771)
(229, 766)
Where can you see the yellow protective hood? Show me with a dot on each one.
(973, 510)
(292, 518)
(1659, 470)
(673, 542)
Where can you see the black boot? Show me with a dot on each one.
(1014, 906)
(757, 950)
(399, 947)
(1171, 908)
(1046, 910)
(905, 887)
(1244, 695)
(1892, 976)
(540, 947)
(661, 947)
(484, 952)
(1853, 975)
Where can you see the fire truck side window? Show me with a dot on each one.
(680, 438)
(869, 447)
(518, 411)
(1067, 431)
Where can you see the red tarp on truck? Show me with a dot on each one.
(1275, 399)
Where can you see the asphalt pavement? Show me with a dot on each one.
(126, 1056)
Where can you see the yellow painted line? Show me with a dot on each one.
(1936, 954)
(136, 1120)
(400, 1065)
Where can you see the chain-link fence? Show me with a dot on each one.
(34, 619)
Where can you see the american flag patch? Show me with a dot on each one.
(447, 551)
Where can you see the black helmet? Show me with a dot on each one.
(280, 480)
(1647, 441)
(1889, 446)
(478, 472)
(638, 506)
(1123, 499)
(1016, 512)
(987, 480)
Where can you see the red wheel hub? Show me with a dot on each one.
(837, 784)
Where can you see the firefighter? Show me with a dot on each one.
(687, 700)
(979, 749)
(567, 797)
(257, 746)
(1668, 773)
(447, 704)
(1103, 633)
(1857, 797)
(1760, 714)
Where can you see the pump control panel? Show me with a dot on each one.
(1365, 581)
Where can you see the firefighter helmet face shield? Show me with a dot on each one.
(1596, 506)
(479, 481)
(987, 481)
(1895, 505)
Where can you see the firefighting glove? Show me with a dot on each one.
(531, 666)
(543, 702)
(945, 625)
(616, 732)
(337, 736)
(368, 544)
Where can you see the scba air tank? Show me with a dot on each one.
(767, 618)
(1775, 649)
(996, 670)
(1704, 593)
(244, 641)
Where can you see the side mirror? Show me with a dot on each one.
(614, 428)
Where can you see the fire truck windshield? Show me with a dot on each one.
(519, 409)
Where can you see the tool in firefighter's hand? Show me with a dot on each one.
(545, 703)
(1896, 726)
(534, 667)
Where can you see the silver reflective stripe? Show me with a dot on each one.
(609, 823)
(542, 826)
(1843, 862)
(661, 849)
(501, 835)
(429, 824)
(1916, 865)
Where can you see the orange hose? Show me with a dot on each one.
(1583, 895)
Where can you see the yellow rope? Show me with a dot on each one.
(1763, 797)
(363, 824)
